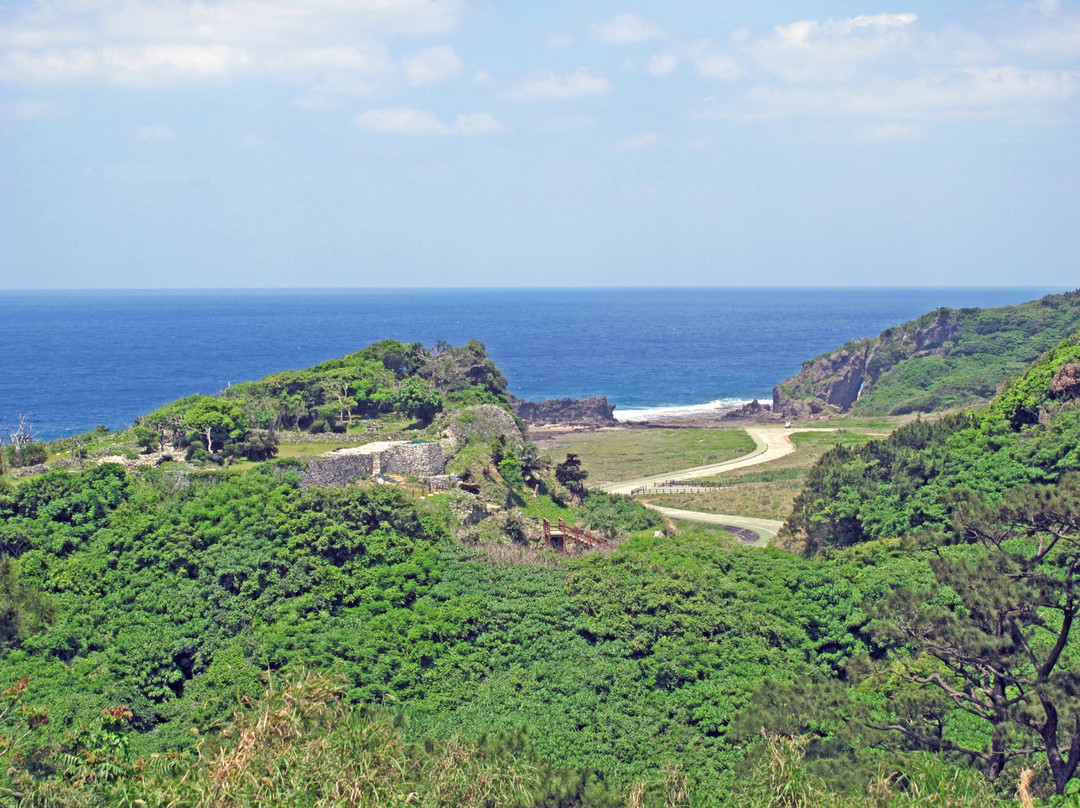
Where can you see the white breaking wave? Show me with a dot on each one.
(653, 413)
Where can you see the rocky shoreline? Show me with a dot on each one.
(554, 417)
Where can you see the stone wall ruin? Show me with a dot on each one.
(345, 466)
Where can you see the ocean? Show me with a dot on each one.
(73, 360)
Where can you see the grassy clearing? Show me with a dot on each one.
(767, 491)
(688, 532)
(772, 500)
(546, 508)
(628, 453)
(310, 448)
(879, 423)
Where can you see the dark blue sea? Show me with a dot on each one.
(72, 360)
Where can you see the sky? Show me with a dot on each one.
(376, 143)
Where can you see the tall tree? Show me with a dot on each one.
(571, 474)
(996, 637)
(215, 419)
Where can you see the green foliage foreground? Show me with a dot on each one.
(168, 595)
(138, 611)
(1030, 434)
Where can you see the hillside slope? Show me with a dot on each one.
(945, 359)
(1029, 434)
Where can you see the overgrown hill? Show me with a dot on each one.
(388, 377)
(416, 650)
(1029, 434)
(949, 358)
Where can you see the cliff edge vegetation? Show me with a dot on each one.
(1029, 434)
(946, 359)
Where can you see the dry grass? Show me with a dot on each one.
(766, 491)
(762, 500)
(623, 454)
(304, 747)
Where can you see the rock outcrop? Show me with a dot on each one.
(1066, 382)
(754, 411)
(593, 411)
(480, 422)
(947, 359)
(833, 382)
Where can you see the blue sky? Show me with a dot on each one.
(278, 143)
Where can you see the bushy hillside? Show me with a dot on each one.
(181, 637)
(946, 359)
(977, 652)
(1028, 434)
(334, 396)
(166, 598)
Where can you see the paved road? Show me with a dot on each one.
(765, 528)
(770, 443)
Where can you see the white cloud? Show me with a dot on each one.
(553, 86)
(1010, 92)
(718, 66)
(889, 133)
(33, 110)
(809, 50)
(626, 29)
(409, 121)
(715, 63)
(1050, 36)
(153, 134)
(640, 140)
(890, 75)
(556, 41)
(431, 66)
(147, 41)
(661, 64)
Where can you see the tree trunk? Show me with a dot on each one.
(1062, 769)
(996, 760)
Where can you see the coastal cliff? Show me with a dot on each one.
(947, 358)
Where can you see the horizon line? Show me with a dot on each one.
(479, 288)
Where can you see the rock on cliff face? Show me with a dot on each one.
(593, 411)
(1066, 382)
(833, 382)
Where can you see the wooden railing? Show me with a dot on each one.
(555, 538)
(676, 487)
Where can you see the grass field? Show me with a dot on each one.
(769, 490)
(624, 454)
(310, 448)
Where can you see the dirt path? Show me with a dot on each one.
(770, 443)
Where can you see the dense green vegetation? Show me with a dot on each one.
(229, 637)
(334, 396)
(170, 594)
(1029, 434)
(141, 612)
(976, 652)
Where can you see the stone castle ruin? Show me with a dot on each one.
(372, 460)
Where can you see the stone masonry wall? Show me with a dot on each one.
(414, 459)
(336, 469)
(348, 466)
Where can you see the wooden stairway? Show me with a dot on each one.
(555, 538)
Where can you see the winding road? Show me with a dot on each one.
(770, 443)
